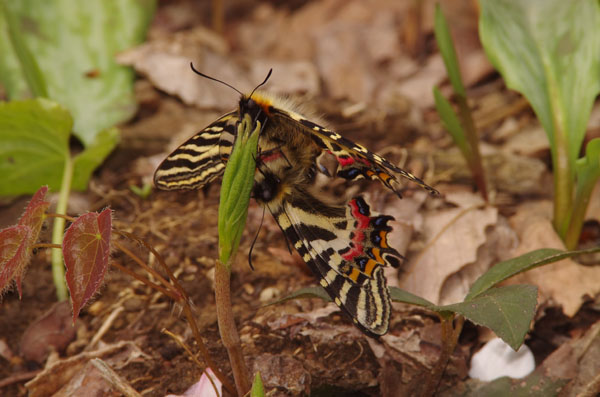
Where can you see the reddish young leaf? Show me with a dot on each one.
(86, 249)
(13, 253)
(33, 217)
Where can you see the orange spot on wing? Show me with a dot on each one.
(354, 274)
(369, 267)
(383, 235)
(377, 253)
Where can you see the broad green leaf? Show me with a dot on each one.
(452, 123)
(303, 293)
(446, 46)
(236, 187)
(400, 295)
(86, 249)
(503, 270)
(75, 42)
(34, 139)
(29, 66)
(549, 50)
(508, 311)
(92, 156)
(258, 389)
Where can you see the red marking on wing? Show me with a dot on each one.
(345, 161)
(271, 157)
(359, 236)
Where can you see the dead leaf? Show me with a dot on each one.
(53, 331)
(283, 373)
(57, 375)
(564, 282)
(454, 236)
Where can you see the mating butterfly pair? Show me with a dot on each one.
(344, 246)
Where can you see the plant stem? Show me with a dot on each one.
(450, 336)
(227, 328)
(58, 231)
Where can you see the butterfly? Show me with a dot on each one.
(345, 246)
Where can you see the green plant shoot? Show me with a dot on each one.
(236, 187)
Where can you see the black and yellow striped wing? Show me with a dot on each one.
(201, 159)
(346, 248)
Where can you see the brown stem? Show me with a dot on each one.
(67, 217)
(142, 264)
(144, 280)
(228, 331)
(450, 336)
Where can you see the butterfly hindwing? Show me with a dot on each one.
(201, 158)
(347, 249)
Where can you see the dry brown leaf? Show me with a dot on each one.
(579, 360)
(166, 63)
(60, 373)
(454, 236)
(564, 282)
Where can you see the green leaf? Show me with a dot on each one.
(258, 389)
(303, 293)
(92, 156)
(75, 43)
(452, 123)
(503, 270)
(29, 66)
(446, 46)
(34, 138)
(508, 311)
(400, 295)
(238, 180)
(549, 50)
(587, 171)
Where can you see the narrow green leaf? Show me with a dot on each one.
(452, 123)
(28, 64)
(400, 295)
(75, 42)
(303, 293)
(238, 180)
(508, 311)
(34, 139)
(549, 50)
(503, 270)
(258, 389)
(446, 46)
(587, 173)
(92, 156)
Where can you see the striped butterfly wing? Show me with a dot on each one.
(346, 248)
(200, 159)
(354, 160)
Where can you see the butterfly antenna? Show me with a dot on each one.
(263, 83)
(254, 241)
(220, 81)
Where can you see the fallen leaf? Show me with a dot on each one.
(564, 282)
(454, 237)
(53, 331)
